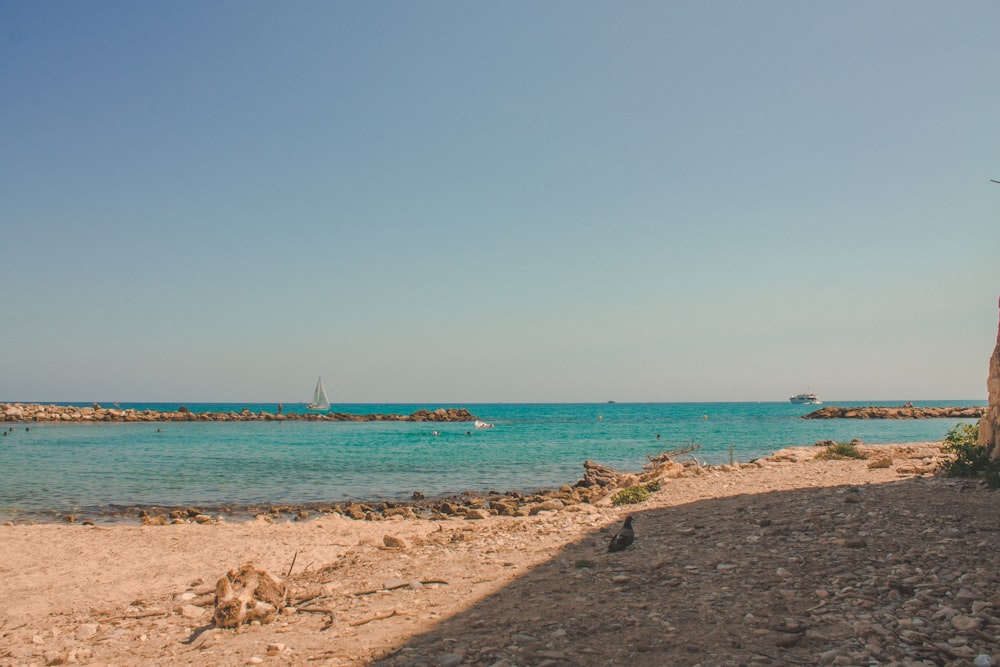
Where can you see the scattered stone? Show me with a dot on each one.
(880, 461)
(56, 657)
(394, 542)
(86, 631)
(966, 623)
(547, 506)
(191, 611)
(154, 519)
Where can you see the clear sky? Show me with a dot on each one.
(498, 201)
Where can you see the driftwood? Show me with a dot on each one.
(396, 586)
(247, 595)
(668, 456)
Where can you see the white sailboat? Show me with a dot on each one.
(320, 401)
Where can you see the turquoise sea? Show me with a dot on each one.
(101, 470)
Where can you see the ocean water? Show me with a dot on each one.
(47, 470)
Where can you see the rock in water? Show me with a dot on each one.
(623, 537)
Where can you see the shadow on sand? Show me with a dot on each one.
(859, 575)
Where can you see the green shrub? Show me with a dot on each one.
(630, 496)
(840, 450)
(970, 458)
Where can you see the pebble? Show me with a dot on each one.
(56, 657)
(451, 660)
(394, 542)
(966, 623)
(191, 611)
(86, 631)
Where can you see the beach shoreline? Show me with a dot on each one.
(478, 504)
(787, 559)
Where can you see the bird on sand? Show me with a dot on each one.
(623, 537)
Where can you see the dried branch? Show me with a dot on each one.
(669, 455)
(397, 586)
(376, 617)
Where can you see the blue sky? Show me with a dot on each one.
(513, 201)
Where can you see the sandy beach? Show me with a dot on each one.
(790, 560)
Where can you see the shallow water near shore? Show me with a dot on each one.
(99, 469)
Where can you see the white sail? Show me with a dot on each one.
(320, 401)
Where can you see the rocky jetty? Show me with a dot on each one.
(900, 412)
(34, 412)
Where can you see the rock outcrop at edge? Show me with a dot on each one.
(989, 425)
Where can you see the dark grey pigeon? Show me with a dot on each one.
(623, 537)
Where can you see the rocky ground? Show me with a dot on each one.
(792, 561)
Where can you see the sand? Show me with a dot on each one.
(793, 561)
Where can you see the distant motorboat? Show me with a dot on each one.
(806, 399)
(320, 401)
(482, 424)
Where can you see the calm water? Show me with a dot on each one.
(96, 469)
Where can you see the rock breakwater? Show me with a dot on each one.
(900, 412)
(34, 412)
